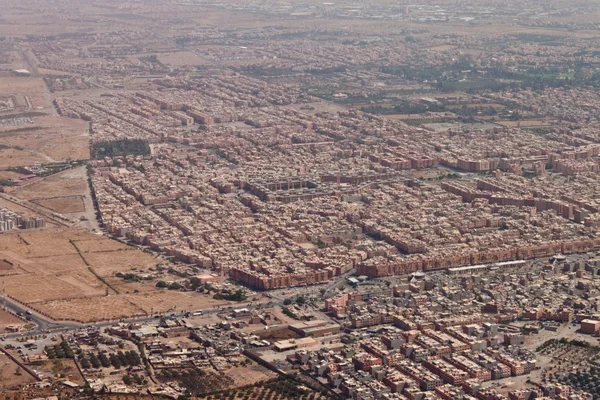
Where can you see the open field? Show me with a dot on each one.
(48, 139)
(90, 309)
(40, 135)
(166, 301)
(70, 274)
(9, 175)
(104, 262)
(276, 389)
(63, 369)
(6, 319)
(31, 289)
(250, 375)
(63, 184)
(63, 193)
(8, 373)
(7, 268)
(180, 58)
(24, 211)
(524, 123)
(34, 88)
(62, 205)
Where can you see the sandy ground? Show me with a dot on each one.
(51, 275)
(249, 375)
(62, 205)
(9, 175)
(67, 193)
(8, 376)
(66, 183)
(8, 319)
(34, 88)
(50, 139)
(63, 369)
(524, 123)
(63, 193)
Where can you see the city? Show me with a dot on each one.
(300, 200)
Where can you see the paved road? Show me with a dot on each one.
(45, 325)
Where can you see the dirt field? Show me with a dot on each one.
(34, 88)
(62, 205)
(63, 184)
(53, 139)
(90, 309)
(181, 58)
(19, 209)
(250, 375)
(99, 245)
(166, 301)
(9, 175)
(104, 263)
(7, 268)
(275, 334)
(8, 319)
(524, 123)
(67, 274)
(8, 376)
(63, 369)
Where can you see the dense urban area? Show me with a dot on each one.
(247, 200)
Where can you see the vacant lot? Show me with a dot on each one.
(6, 319)
(67, 183)
(40, 135)
(181, 58)
(91, 309)
(166, 301)
(63, 205)
(34, 88)
(64, 369)
(11, 374)
(105, 263)
(70, 274)
(48, 139)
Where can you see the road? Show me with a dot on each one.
(45, 325)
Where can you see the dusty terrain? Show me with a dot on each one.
(6, 319)
(33, 132)
(62, 192)
(70, 274)
(11, 374)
